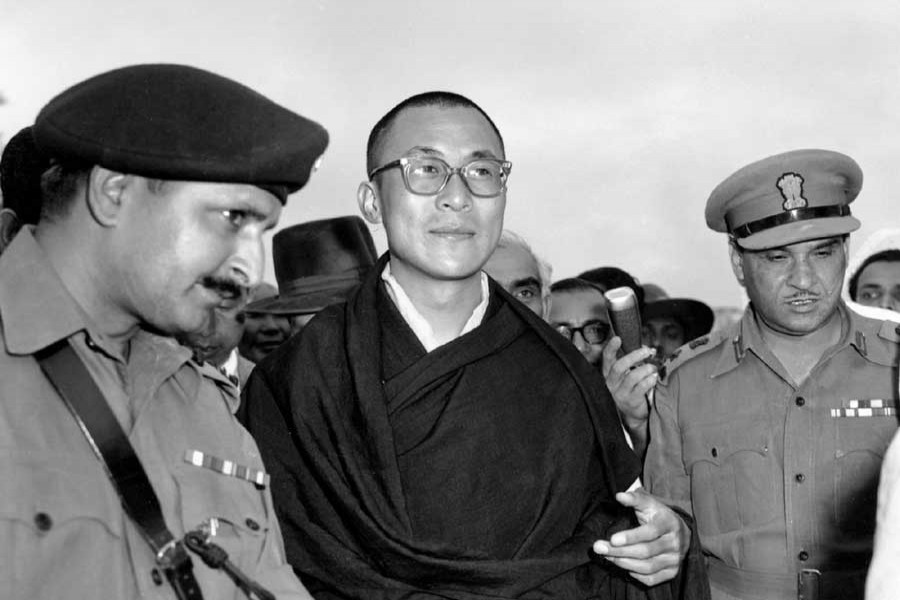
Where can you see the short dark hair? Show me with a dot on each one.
(435, 98)
(610, 278)
(575, 284)
(892, 255)
(59, 185)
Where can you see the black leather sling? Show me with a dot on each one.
(70, 377)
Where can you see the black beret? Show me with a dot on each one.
(178, 122)
(21, 168)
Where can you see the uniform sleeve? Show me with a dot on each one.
(884, 577)
(664, 470)
(265, 422)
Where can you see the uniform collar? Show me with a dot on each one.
(35, 307)
(857, 332)
(36, 310)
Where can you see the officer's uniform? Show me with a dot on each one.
(63, 531)
(780, 476)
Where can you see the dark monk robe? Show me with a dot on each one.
(484, 469)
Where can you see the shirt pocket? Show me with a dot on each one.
(861, 443)
(732, 482)
(61, 522)
(232, 510)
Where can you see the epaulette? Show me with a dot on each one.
(890, 331)
(692, 349)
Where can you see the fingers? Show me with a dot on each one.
(650, 564)
(640, 380)
(651, 552)
(615, 370)
(609, 355)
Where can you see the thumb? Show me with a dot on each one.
(638, 499)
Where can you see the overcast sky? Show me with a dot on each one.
(619, 117)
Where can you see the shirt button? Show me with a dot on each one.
(43, 521)
(156, 576)
(800, 401)
(253, 525)
(800, 477)
(803, 556)
(714, 452)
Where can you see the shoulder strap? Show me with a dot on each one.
(85, 401)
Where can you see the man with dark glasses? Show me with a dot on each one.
(434, 437)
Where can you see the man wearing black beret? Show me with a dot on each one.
(123, 462)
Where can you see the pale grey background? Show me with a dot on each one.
(620, 117)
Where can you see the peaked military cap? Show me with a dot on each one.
(787, 198)
(178, 122)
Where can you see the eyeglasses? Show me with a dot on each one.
(428, 175)
(595, 332)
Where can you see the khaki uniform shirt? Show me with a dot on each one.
(63, 532)
(779, 476)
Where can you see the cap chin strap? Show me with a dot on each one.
(788, 216)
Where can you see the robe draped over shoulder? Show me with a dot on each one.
(483, 469)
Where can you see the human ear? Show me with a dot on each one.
(737, 262)
(105, 192)
(369, 204)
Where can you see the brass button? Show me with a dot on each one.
(803, 555)
(800, 477)
(253, 525)
(714, 452)
(800, 401)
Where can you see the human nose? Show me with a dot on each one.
(455, 195)
(802, 274)
(580, 343)
(247, 262)
(268, 324)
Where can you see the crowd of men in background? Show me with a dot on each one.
(445, 420)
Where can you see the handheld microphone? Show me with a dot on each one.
(625, 317)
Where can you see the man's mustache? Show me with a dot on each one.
(232, 293)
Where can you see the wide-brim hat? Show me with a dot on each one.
(788, 198)
(318, 264)
(696, 317)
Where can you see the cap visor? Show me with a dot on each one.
(802, 231)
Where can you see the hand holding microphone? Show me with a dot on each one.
(630, 378)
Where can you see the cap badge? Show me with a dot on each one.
(791, 187)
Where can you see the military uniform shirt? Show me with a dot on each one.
(780, 477)
(63, 532)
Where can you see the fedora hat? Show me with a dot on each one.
(695, 316)
(317, 264)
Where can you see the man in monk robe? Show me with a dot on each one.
(432, 437)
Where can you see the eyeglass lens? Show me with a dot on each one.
(593, 333)
(428, 175)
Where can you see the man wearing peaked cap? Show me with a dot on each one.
(160, 182)
(772, 431)
(787, 198)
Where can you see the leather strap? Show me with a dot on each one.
(85, 401)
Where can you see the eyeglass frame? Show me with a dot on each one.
(404, 163)
(580, 330)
